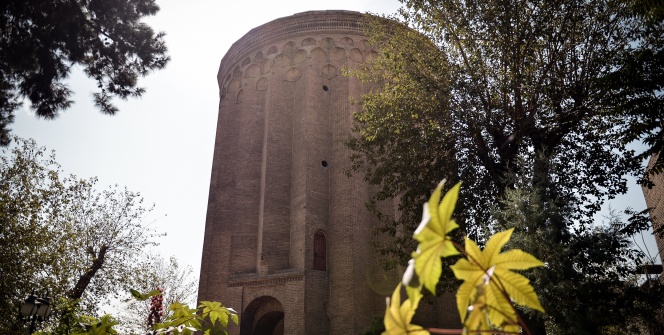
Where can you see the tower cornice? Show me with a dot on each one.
(329, 21)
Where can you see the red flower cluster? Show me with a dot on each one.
(156, 308)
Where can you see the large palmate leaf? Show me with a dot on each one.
(432, 233)
(488, 278)
(184, 320)
(398, 315)
(215, 311)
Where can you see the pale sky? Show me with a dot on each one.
(161, 145)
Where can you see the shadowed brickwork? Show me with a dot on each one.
(278, 179)
(655, 201)
(287, 236)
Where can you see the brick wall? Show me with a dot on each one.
(655, 201)
(278, 177)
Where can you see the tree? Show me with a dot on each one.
(508, 96)
(637, 80)
(63, 236)
(41, 41)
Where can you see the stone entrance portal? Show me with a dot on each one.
(263, 316)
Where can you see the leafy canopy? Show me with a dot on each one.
(64, 236)
(43, 40)
(531, 104)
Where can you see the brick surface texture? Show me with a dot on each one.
(278, 177)
(655, 202)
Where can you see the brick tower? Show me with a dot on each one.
(287, 234)
(655, 201)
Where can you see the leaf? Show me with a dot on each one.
(398, 315)
(143, 297)
(103, 327)
(432, 234)
(411, 281)
(182, 316)
(478, 318)
(234, 318)
(216, 312)
(466, 290)
(518, 288)
(217, 329)
(488, 273)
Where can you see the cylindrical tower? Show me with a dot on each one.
(287, 233)
(655, 201)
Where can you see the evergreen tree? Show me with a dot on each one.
(42, 40)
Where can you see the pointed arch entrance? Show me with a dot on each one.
(263, 316)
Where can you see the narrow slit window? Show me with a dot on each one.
(320, 251)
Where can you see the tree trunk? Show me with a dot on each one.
(84, 279)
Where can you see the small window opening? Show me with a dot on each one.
(320, 251)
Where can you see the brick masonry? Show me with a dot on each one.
(278, 178)
(655, 202)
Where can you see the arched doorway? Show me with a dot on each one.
(263, 316)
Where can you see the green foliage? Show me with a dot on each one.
(636, 81)
(432, 235)
(399, 315)
(211, 318)
(516, 99)
(103, 327)
(42, 40)
(488, 274)
(599, 266)
(62, 235)
(144, 296)
(68, 318)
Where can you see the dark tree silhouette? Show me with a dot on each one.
(41, 41)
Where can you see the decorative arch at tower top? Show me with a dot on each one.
(308, 26)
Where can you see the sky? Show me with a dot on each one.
(161, 145)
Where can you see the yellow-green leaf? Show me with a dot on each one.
(517, 260)
(215, 311)
(477, 320)
(518, 288)
(466, 291)
(398, 315)
(432, 234)
(490, 271)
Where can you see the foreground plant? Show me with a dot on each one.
(486, 299)
(210, 318)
